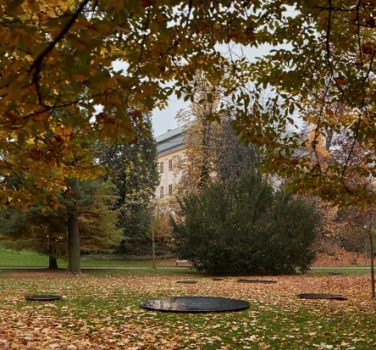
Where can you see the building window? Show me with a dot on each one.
(161, 192)
(170, 165)
(169, 189)
(161, 167)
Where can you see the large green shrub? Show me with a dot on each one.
(245, 227)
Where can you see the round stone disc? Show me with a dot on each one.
(321, 296)
(43, 297)
(195, 304)
(246, 280)
(187, 281)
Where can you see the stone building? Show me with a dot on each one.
(170, 151)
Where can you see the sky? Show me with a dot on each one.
(164, 120)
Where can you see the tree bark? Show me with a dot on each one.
(74, 259)
(52, 256)
(372, 263)
(52, 262)
(205, 172)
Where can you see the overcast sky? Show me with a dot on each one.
(165, 119)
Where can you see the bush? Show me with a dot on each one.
(244, 227)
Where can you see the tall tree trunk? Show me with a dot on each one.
(372, 263)
(52, 262)
(52, 259)
(205, 171)
(74, 262)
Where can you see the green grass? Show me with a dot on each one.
(343, 270)
(11, 258)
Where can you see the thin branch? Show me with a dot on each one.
(144, 37)
(336, 9)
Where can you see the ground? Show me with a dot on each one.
(101, 310)
(340, 257)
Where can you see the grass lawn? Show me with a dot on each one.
(11, 258)
(101, 310)
(343, 270)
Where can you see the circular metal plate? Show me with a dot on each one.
(195, 304)
(187, 281)
(246, 280)
(43, 297)
(321, 296)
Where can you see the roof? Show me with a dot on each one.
(170, 133)
(172, 139)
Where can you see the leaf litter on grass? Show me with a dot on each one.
(102, 312)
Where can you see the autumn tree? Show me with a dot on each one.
(45, 229)
(328, 63)
(63, 64)
(363, 219)
(63, 58)
(212, 149)
(200, 132)
(35, 229)
(133, 170)
(336, 148)
(232, 157)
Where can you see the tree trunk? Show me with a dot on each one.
(153, 247)
(372, 263)
(205, 171)
(52, 259)
(156, 219)
(74, 262)
(52, 263)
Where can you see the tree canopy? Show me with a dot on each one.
(60, 56)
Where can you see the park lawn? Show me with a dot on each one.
(23, 258)
(9, 257)
(12, 258)
(342, 270)
(101, 310)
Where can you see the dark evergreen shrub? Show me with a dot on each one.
(244, 227)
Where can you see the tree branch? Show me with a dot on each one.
(37, 64)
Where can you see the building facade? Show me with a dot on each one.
(170, 152)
